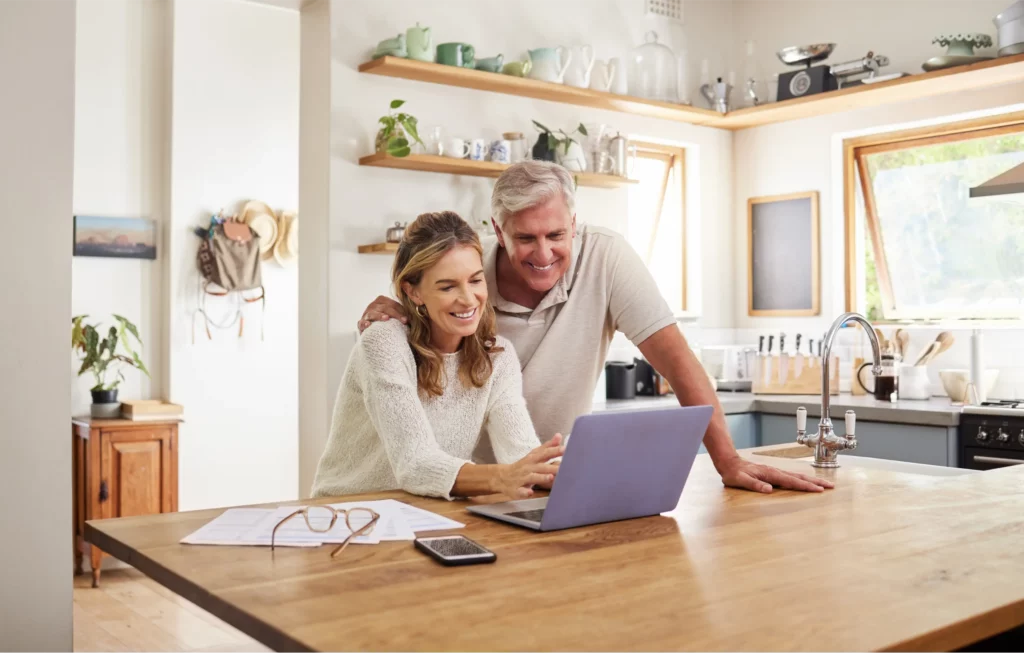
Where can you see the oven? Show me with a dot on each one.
(991, 436)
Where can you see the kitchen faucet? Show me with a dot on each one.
(827, 444)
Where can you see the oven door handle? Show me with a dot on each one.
(990, 460)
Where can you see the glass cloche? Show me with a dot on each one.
(652, 71)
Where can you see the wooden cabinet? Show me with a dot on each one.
(121, 468)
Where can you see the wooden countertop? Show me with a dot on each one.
(886, 561)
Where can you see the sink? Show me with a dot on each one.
(797, 452)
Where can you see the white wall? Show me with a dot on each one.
(365, 201)
(121, 109)
(235, 130)
(899, 29)
(37, 64)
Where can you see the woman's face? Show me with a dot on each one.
(454, 292)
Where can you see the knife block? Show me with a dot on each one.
(808, 383)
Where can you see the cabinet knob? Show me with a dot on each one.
(104, 493)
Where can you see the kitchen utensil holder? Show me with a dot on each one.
(807, 383)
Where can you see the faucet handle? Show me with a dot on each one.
(801, 419)
(851, 423)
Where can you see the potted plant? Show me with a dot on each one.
(396, 128)
(102, 358)
(561, 147)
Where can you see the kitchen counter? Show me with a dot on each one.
(893, 558)
(937, 411)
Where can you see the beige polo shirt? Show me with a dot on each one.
(563, 342)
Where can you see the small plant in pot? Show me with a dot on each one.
(396, 129)
(102, 357)
(561, 147)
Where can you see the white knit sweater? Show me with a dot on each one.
(386, 435)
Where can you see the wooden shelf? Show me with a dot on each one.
(431, 163)
(379, 248)
(985, 74)
(532, 88)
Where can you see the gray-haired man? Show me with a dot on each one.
(560, 293)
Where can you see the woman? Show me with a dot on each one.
(414, 400)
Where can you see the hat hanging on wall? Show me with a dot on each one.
(261, 219)
(286, 249)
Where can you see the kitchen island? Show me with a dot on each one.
(895, 557)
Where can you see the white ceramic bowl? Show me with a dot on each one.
(954, 382)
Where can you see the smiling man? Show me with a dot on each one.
(560, 292)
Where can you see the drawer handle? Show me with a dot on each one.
(997, 461)
(104, 493)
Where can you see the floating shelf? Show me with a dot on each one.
(432, 163)
(984, 74)
(379, 248)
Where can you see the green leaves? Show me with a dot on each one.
(583, 130)
(397, 103)
(398, 147)
(541, 127)
(98, 354)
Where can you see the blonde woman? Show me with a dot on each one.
(415, 400)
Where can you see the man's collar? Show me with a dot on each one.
(559, 293)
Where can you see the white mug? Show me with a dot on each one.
(913, 382)
(501, 151)
(603, 75)
(478, 150)
(619, 81)
(457, 148)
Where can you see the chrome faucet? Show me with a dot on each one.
(825, 443)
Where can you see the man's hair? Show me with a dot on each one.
(527, 184)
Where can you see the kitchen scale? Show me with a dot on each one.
(811, 79)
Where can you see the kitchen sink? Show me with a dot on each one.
(800, 453)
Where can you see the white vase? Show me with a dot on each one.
(574, 159)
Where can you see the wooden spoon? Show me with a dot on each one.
(927, 354)
(883, 344)
(902, 342)
(945, 340)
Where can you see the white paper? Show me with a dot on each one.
(240, 527)
(420, 520)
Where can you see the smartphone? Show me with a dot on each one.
(454, 550)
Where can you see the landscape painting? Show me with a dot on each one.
(115, 237)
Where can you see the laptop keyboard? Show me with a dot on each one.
(529, 515)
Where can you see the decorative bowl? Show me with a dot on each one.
(799, 55)
(963, 44)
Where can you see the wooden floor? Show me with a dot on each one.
(129, 612)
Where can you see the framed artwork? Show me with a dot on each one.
(114, 237)
(783, 255)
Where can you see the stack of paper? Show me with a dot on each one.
(254, 526)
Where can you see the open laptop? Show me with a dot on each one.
(617, 465)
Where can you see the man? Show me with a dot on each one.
(560, 293)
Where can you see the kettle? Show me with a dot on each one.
(395, 233)
(717, 95)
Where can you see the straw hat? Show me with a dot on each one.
(287, 246)
(260, 219)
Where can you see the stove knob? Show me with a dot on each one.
(982, 435)
(1002, 436)
(1020, 438)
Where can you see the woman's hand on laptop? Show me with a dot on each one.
(380, 310)
(516, 481)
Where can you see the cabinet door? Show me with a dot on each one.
(743, 428)
(136, 467)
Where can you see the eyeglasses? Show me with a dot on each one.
(324, 518)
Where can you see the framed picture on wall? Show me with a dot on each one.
(114, 237)
(783, 265)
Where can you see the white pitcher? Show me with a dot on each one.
(578, 74)
(619, 82)
(549, 64)
(603, 75)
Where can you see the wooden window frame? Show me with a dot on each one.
(675, 156)
(854, 151)
(815, 308)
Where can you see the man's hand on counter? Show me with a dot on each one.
(739, 473)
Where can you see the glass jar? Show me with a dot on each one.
(652, 71)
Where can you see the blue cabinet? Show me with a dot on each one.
(929, 445)
(743, 428)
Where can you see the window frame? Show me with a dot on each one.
(675, 157)
(854, 151)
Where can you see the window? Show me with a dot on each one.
(657, 225)
(930, 251)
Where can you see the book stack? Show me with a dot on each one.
(143, 410)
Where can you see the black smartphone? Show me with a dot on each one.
(454, 550)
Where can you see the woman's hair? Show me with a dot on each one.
(425, 242)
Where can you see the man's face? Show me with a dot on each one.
(538, 241)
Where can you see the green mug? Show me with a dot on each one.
(456, 54)
(490, 64)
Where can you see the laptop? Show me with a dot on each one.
(617, 465)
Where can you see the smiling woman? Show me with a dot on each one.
(416, 400)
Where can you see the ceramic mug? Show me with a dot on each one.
(478, 149)
(603, 75)
(490, 64)
(456, 148)
(501, 151)
(419, 42)
(619, 81)
(456, 54)
(517, 68)
(550, 64)
(913, 382)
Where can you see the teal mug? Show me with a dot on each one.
(456, 54)
(490, 64)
